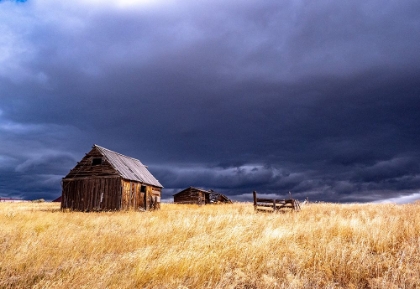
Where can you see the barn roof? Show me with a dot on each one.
(129, 168)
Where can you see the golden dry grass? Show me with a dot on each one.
(225, 246)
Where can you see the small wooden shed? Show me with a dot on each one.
(193, 195)
(105, 180)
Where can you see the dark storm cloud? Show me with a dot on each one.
(32, 162)
(320, 99)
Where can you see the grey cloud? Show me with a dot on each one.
(390, 169)
(46, 163)
(402, 199)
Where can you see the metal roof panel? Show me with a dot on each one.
(129, 168)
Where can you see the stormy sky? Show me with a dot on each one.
(319, 98)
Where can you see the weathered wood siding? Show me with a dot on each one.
(191, 196)
(107, 194)
(134, 198)
(154, 195)
(91, 194)
(131, 195)
(84, 168)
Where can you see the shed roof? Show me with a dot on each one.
(129, 168)
(192, 188)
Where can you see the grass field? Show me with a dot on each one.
(215, 246)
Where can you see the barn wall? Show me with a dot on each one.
(133, 198)
(153, 197)
(91, 194)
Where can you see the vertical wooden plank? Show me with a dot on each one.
(91, 195)
(80, 197)
(122, 196)
(84, 196)
(148, 194)
(95, 194)
(74, 195)
(102, 194)
(125, 196)
(136, 196)
(113, 193)
(130, 195)
(107, 188)
(254, 194)
(110, 190)
(78, 204)
(118, 195)
(75, 189)
(133, 195)
(119, 200)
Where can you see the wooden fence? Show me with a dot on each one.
(274, 205)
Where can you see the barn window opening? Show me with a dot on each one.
(96, 161)
(143, 189)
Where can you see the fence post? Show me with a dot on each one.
(254, 193)
(274, 205)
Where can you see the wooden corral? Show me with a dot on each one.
(197, 196)
(274, 205)
(105, 180)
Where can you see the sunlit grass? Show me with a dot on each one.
(223, 246)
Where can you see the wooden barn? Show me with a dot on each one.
(105, 180)
(197, 196)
